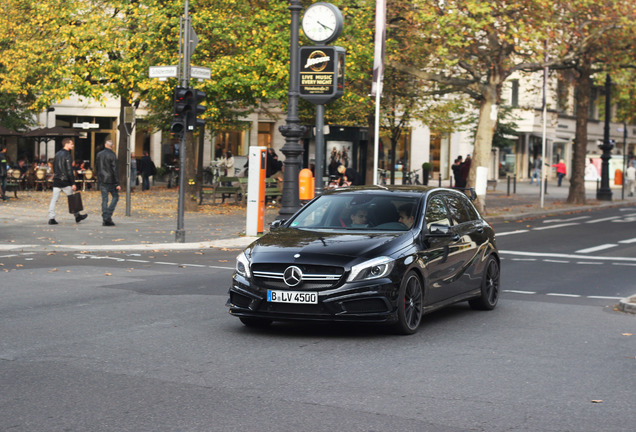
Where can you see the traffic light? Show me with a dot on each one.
(180, 112)
(193, 99)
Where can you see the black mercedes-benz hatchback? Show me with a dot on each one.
(369, 254)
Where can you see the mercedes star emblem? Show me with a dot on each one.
(292, 276)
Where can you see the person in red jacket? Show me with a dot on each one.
(561, 171)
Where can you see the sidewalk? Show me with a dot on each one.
(153, 220)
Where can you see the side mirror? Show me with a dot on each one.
(277, 224)
(439, 230)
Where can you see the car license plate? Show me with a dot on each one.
(292, 297)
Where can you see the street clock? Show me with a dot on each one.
(322, 22)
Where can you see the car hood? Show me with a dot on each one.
(284, 244)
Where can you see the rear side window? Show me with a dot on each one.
(460, 209)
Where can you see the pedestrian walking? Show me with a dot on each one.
(133, 171)
(561, 171)
(3, 172)
(63, 179)
(465, 170)
(457, 172)
(108, 179)
(536, 170)
(147, 169)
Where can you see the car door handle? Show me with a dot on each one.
(480, 230)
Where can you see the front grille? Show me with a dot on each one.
(314, 276)
(239, 299)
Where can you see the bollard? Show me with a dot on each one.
(514, 185)
(508, 187)
(440, 179)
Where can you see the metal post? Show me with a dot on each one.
(605, 193)
(508, 188)
(320, 148)
(185, 78)
(292, 130)
(624, 159)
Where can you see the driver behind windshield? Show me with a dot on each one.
(406, 215)
(359, 218)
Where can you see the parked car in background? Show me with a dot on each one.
(369, 254)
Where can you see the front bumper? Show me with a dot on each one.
(372, 301)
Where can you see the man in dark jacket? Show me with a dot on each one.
(63, 179)
(147, 169)
(108, 178)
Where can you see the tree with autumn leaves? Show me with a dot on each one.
(54, 48)
(472, 47)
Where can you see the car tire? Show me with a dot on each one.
(490, 287)
(410, 305)
(253, 322)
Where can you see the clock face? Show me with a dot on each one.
(322, 22)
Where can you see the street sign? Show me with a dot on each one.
(163, 72)
(200, 73)
(86, 125)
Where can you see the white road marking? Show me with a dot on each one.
(555, 226)
(604, 219)
(165, 263)
(512, 232)
(624, 264)
(589, 263)
(137, 261)
(524, 259)
(629, 241)
(556, 261)
(596, 248)
(592, 297)
(566, 256)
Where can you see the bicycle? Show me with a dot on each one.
(383, 176)
(411, 177)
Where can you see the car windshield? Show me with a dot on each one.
(361, 211)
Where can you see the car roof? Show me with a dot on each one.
(405, 190)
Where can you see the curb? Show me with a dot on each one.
(231, 243)
(554, 211)
(628, 304)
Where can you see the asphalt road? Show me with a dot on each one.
(143, 342)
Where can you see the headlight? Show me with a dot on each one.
(243, 265)
(372, 269)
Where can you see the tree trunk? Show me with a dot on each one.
(488, 110)
(576, 194)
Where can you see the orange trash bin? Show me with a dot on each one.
(305, 184)
(618, 177)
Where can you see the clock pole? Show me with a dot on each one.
(292, 130)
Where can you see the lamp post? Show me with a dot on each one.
(604, 193)
(292, 130)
